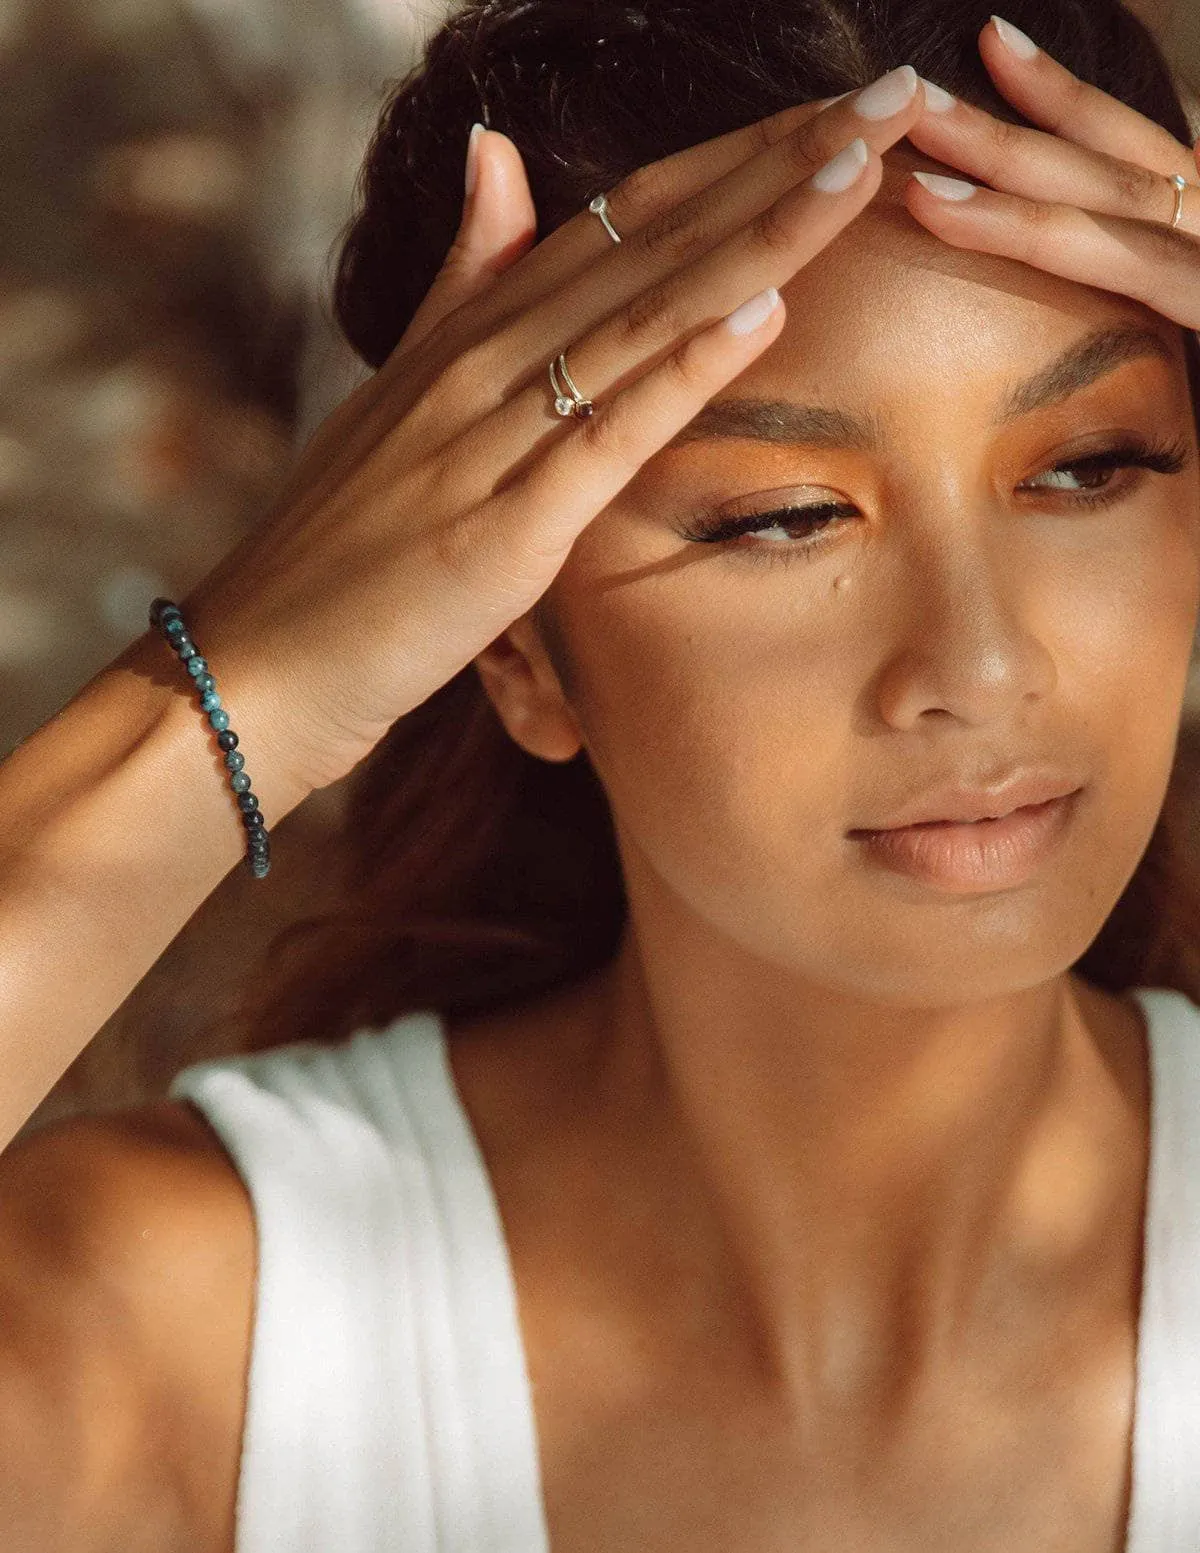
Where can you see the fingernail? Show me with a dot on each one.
(1020, 43)
(888, 95)
(946, 188)
(473, 157)
(936, 99)
(844, 169)
(753, 314)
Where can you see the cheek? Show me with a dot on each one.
(718, 719)
(1123, 627)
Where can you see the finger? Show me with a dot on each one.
(623, 347)
(487, 374)
(583, 240)
(525, 532)
(364, 419)
(498, 226)
(782, 149)
(1058, 102)
(654, 191)
(1056, 99)
(1038, 166)
(1146, 261)
(644, 194)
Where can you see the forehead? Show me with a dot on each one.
(887, 303)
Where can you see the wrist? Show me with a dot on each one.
(218, 708)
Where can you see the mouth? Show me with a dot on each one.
(987, 819)
(972, 856)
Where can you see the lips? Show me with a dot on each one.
(973, 857)
(964, 803)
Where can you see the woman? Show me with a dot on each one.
(800, 1191)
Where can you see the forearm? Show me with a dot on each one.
(116, 823)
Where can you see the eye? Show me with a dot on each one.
(786, 532)
(779, 533)
(1165, 460)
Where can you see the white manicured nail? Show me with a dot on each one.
(946, 188)
(843, 170)
(888, 95)
(1021, 44)
(751, 315)
(937, 100)
(473, 157)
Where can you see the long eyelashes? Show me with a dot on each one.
(821, 519)
(1164, 459)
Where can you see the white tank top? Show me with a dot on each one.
(389, 1405)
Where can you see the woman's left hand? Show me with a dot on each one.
(1087, 197)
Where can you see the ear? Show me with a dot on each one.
(524, 687)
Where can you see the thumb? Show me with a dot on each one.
(498, 226)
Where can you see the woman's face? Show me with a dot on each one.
(962, 611)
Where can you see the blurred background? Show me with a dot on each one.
(176, 178)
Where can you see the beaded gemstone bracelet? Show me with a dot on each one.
(167, 617)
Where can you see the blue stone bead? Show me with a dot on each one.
(211, 701)
(219, 719)
(196, 665)
(206, 682)
(184, 646)
(260, 867)
(239, 781)
(228, 740)
(246, 801)
(259, 841)
(235, 760)
(253, 820)
(173, 625)
(160, 609)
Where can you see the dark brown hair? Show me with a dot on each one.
(475, 874)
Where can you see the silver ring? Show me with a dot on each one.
(1181, 185)
(568, 400)
(599, 207)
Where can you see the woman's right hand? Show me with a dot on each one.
(437, 503)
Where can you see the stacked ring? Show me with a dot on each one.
(568, 400)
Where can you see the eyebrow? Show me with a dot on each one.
(806, 425)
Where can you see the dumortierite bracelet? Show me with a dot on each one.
(167, 617)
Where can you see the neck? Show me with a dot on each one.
(865, 1173)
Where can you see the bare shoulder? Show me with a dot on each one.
(127, 1262)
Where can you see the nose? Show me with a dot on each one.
(969, 640)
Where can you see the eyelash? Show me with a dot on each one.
(1162, 458)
